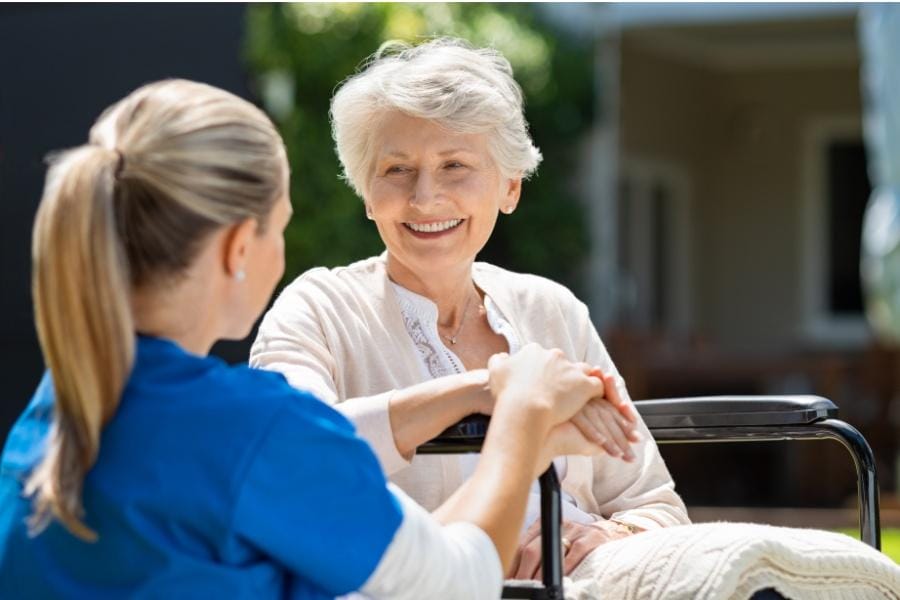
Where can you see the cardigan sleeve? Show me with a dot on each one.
(292, 341)
(642, 492)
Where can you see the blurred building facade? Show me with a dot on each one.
(727, 185)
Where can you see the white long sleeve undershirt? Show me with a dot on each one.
(425, 559)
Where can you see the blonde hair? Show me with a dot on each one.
(465, 89)
(164, 168)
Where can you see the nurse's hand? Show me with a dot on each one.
(543, 381)
(566, 439)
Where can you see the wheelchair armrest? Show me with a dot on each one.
(464, 436)
(472, 428)
(710, 411)
(734, 411)
(675, 413)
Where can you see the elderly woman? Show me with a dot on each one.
(434, 140)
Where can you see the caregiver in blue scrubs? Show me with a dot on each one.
(144, 468)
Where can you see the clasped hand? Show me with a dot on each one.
(592, 416)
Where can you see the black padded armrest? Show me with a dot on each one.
(473, 427)
(710, 411)
(734, 411)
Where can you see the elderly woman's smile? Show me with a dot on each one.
(431, 229)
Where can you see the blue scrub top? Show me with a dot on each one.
(212, 482)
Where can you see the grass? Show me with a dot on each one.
(890, 540)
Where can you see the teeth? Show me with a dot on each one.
(434, 227)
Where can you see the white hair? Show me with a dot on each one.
(464, 89)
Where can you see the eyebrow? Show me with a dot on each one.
(402, 155)
(455, 151)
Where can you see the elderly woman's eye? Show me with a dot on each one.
(396, 169)
(454, 165)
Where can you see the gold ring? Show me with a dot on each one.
(566, 543)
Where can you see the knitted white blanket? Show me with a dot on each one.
(713, 561)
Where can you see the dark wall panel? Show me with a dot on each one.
(60, 65)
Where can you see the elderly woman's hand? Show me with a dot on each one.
(578, 540)
(609, 421)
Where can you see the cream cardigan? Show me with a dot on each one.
(339, 333)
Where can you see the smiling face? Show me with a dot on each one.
(434, 194)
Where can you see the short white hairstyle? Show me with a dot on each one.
(446, 80)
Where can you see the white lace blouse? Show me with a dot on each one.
(420, 316)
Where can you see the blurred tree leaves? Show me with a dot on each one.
(299, 53)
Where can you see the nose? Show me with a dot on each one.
(425, 192)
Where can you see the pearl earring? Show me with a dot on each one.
(507, 210)
(240, 275)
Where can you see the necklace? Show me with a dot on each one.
(455, 336)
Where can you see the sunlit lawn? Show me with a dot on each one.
(890, 541)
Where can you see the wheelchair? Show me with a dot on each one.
(692, 420)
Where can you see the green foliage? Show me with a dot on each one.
(299, 53)
(890, 540)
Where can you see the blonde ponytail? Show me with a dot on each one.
(165, 167)
(84, 323)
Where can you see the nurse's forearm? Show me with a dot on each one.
(495, 497)
(422, 411)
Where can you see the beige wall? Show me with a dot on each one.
(738, 134)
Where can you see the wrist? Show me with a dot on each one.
(623, 527)
(478, 392)
(533, 413)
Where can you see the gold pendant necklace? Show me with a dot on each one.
(455, 336)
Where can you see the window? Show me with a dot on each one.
(836, 192)
(653, 247)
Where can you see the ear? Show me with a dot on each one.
(512, 193)
(237, 246)
(368, 210)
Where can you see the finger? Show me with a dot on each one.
(624, 424)
(531, 560)
(514, 567)
(609, 418)
(567, 439)
(533, 531)
(609, 445)
(629, 428)
(613, 395)
(588, 429)
(606, 414)
(595, 387)
(497, 359)
(577, 552)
